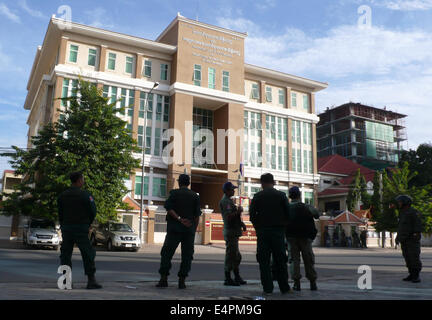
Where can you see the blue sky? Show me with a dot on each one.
(386, 63)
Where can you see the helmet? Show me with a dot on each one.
(294, 192)
(406, 200)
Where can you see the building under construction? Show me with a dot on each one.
(367, 135)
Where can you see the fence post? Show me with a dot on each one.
(150, 224)
(206, 225)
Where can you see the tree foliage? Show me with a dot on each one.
(394, 183)
(419, 160)
(88, 137)
(358, 192)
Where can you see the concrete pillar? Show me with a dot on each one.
(150, 224)
(57, 103)
(63, 50)
(288, 97)
(102, 58)
(206, 217)
(138, 66)
(262, 92)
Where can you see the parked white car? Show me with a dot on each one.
(41, 233)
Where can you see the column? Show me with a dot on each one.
(102, 57)
(150, 223)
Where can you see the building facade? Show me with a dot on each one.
(204, 83)
(370, 136)
(9, 226)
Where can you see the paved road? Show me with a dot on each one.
(123, 272)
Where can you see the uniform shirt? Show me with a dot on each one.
(269, 208)
(186, 203)
(76, 207)
(409, 223)
(227, 207)
(301, 220)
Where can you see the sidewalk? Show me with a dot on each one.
(328, 289)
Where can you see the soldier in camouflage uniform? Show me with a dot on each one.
(409, 235)
(233, 226)
(300, 233)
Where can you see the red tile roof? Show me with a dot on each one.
(348, 217)
(337, 164)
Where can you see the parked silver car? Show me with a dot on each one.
(115, 235)
(41, 233)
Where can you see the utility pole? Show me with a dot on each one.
(142, 164)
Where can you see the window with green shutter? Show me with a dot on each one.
(111, 61)
(269, 94)
(197, 75)
(164, 71)
(147, 68)
(255, 91)
(306, 102)
(92, 57)
(293, 99)
(73, 53)
(281, 96)
(225, 81)
(129, 64)
(138, 184)
(211, 78)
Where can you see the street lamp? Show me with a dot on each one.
(143, 155)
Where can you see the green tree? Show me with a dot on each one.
(394, 184)
(358, 192)
(88, 137)
(419, 160)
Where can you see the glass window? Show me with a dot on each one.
(92, 57)
(129, 64)
(65, 90)
(111, 61)
(197, 75)
(282, 96)
(166, 108)
(164, 71)
(306, 102)
(157, 142)
(269, 94)
(148, 140)
(159, 187)
(293, 99)
(147, 68)
(255, 91)
(73, 53)
(138, 183)
(159, 107)
(211, 78)
(140, 136)
(225, 81)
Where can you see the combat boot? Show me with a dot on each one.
(297, 286)
(313, 285)
(163, 282)
(229, 281)
(181, 283)
(237, 278)
(92, 284)
(410, 275)
(415, 277)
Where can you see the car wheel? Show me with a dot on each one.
(109, 245)
(135, 249)
(93, 240)
(55, 248)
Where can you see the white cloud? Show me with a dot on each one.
(34, 13)
(99, 18)
(408, 5)
(4, 10)
(344, 51)
(373, 66)
(265, 4)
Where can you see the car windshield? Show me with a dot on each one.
(120, 227)
(42, 224)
